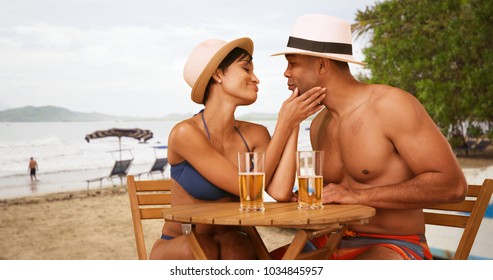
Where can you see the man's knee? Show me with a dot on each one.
(236, 246)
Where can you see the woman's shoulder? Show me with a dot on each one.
(250, 126)
(185, 128)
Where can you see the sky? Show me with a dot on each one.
(126, 58)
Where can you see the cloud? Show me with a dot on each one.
(126, 57)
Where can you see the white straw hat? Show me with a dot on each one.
(322, 36)
(204, 60)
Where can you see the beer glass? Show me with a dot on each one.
(251, 179)
(309, 168)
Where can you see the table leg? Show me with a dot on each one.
(258, 243)
(191, 233)
(297, 245)
(325, 252)
(334, 240)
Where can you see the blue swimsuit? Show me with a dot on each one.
(193, 182)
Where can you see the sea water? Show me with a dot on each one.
(64, 157)
(66, 160)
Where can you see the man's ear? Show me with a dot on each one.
(323, 65)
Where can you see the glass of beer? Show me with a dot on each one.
(309, 168)
(251, 179)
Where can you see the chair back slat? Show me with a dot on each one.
(147, 201)
(152, 213)
(154, 199)
(153, 185)
(441, 219)
(467, 215)
(464, 206)
(473, 190)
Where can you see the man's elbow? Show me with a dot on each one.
(459, 192)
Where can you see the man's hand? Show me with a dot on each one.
(334, 193)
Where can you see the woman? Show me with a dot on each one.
(202, 150)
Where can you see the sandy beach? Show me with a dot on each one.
(94, 225)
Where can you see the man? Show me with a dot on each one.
(381, 147)
(33, 166)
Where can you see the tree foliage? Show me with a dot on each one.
(440, 51)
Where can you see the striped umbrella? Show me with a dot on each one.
(136, 133)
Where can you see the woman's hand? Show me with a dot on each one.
(297, 107)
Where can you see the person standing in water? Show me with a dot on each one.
(33, 167)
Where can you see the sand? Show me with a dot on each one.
(95, 225)
(82, 225)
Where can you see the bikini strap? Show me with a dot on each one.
(242, 138)
(209, 136)
(205, 125)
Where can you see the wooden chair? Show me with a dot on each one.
(467, 215)
(147, 201)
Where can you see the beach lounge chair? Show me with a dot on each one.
(158, 166)
(480, 146)
(464, 149)
(120, 169)
(147, 201)
(467, 215)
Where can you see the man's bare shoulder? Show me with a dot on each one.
(385, 97)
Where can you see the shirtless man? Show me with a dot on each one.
(381, 147)
(33, 166)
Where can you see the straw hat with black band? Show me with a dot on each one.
(321, 36)
(204, 60)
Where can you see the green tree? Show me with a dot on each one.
(440, 51)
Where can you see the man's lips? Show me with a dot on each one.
(291, 87)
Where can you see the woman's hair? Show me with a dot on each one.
(234, 55)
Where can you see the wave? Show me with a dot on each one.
(46, 142)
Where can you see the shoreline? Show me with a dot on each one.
(58, 186)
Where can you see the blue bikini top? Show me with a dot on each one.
(193, 182)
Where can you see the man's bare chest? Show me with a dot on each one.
(355, 151)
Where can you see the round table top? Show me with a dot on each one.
(275, 214)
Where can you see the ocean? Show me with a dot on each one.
(66, 161)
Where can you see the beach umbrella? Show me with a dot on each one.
(139, 134)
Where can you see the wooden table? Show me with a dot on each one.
(333, 219)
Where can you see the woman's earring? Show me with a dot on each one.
(219, 81)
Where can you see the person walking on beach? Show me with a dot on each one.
(382, 149)
(32, 168)
(203, 149)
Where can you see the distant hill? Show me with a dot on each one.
(53, 114)
(59, 114)
(258, 117)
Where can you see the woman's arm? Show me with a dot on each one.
(285, 139)
(281, 185)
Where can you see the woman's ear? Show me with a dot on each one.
(217, 76)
